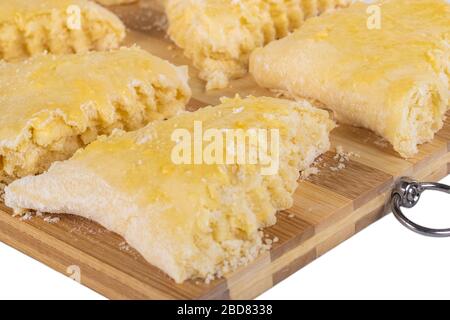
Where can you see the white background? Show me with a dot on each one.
(384, 261)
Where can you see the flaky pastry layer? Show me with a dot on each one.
(384, 67)
(29, 27)
(219, 35)
(53, 105)
(197, 220)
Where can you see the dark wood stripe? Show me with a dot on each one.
(294, 266)
(142, 19)
(195, 104)
(216, 294)
(290, 232)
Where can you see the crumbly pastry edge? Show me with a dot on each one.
(219, 66)
(80, 134)
(281, 190)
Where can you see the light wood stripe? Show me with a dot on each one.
(318, 206)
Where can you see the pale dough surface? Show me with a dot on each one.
(115, 2)
(393, 80)
(219, 35)
(51, 105)
(190, 220)
(28, 27)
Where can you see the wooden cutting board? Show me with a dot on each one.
(329, 208)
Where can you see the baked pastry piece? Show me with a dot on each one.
(52, 105)
(28, 27)
(393, 80)
(190, 220)
(219, 35)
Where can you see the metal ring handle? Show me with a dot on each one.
(406, 194)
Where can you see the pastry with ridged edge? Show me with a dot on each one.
(52, 105)
(219, 35)
(28, 27)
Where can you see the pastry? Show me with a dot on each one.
(192, 219)
(52, 105)
(28, 27)
(393, 80)
(219, 35)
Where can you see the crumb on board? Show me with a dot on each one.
(27, 216)
(339, 167)
(271, 241)
(209, 278)
(291, 215)
(123, 246)
(52, 220)
(308, 172)
(342, 157)
(312, 170)
(85, 230)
